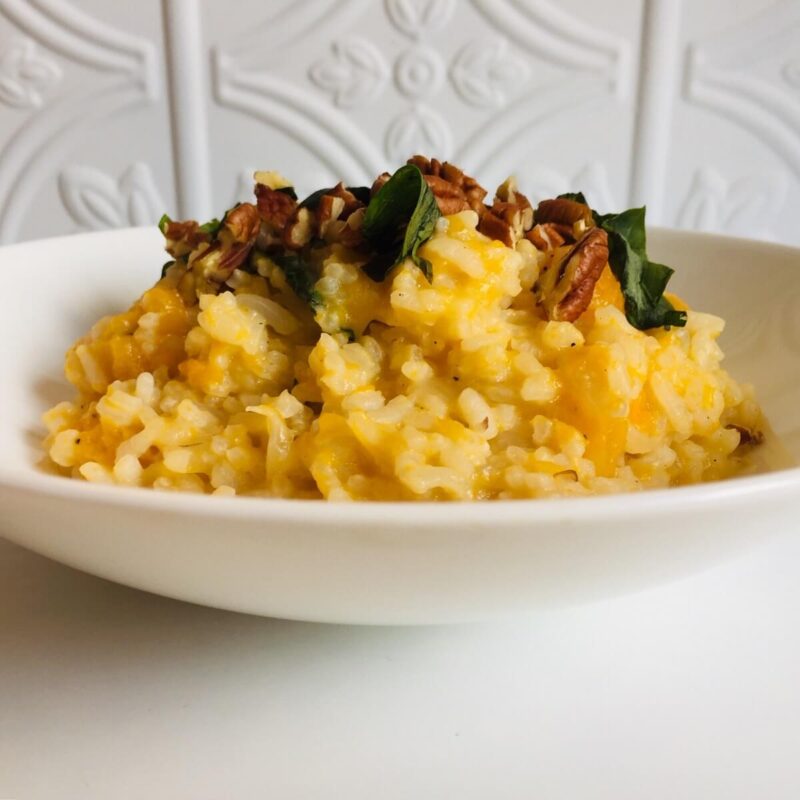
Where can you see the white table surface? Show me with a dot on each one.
(690, 690)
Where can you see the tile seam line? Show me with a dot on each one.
(659, 66)
(187, 91)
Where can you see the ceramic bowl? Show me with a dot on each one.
(383, 562)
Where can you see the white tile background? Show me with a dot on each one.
(113, 112)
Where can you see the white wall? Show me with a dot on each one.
(692, 107)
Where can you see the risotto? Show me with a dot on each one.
(407, 341)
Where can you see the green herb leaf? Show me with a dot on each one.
(212, 226)
(300, 276)
(575, 196)
(312, 201)
(643, 281)
(400, 217)
(163, 223)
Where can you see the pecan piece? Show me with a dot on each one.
(183, 237)
(427, 166)
(495, 227)
(503, 221)
(243, 222)
(507, 193)
(351, 202)
(379, 183)
(548, 236)
(474, 194)
(577, 273)
(274, 207)
(466, 189)
(329, 210)
(451, 173)
(351, 235)
(564, 211)
(509, 217)
(449, 197)
(233, 258)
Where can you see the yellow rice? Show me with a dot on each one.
(458, 389)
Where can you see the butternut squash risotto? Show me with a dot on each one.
(406, 341)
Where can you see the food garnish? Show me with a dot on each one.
(389, 223)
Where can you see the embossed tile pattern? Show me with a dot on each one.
(111, 113)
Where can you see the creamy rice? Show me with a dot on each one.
(454, 389)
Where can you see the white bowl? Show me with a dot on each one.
(382, 562)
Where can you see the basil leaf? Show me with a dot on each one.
(400, 217)
(362, 193)
(299, 276)
(312, 201)
(163, 223)
(165, 268)
(212, 226)
(643, 281)
(575, 196)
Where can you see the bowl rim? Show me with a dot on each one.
(736, 491)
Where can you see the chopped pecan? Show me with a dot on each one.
(548, 236)
(333, 215)
(183, 237)
(243, 222)
(351, 235)
(496, 228)
(274, 206)
(507, 190)
(509, 217)
(504, 221)
(271, 179)
(512, 214)
(564, 211)
(329, 210)
(577, 273)
(427, 166)
(379, 183)
(466, 189)
(451, 173)
(507, 193)
(299, 229)
(232, 259)
(474, 194)
(351, 202)
(449, 197)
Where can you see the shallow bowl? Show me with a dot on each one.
(383, 562)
